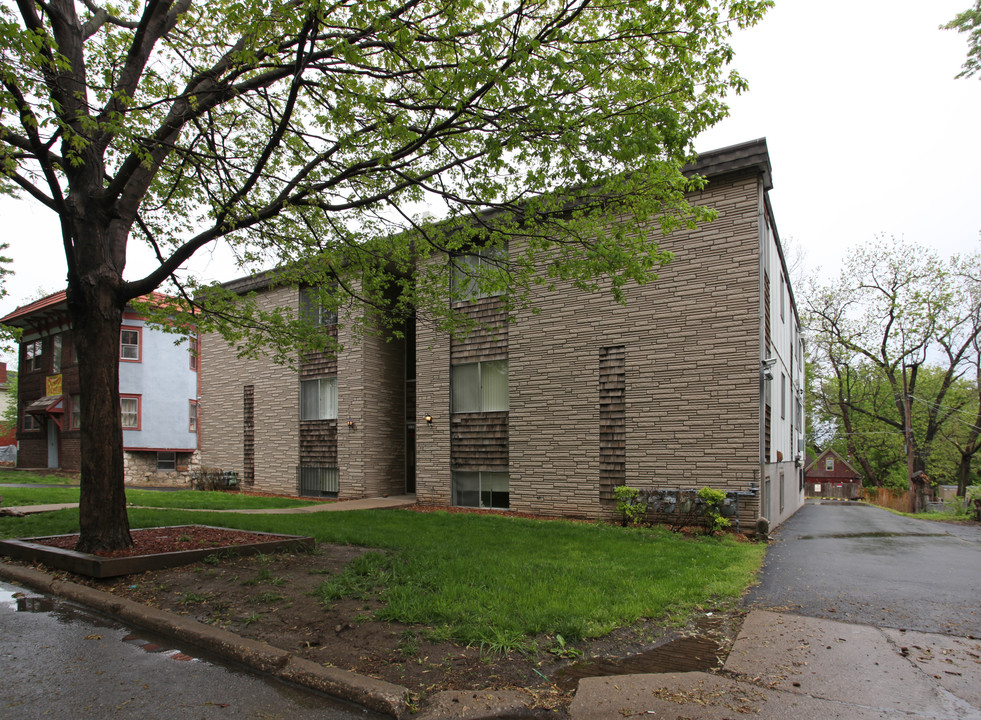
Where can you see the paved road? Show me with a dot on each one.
(58, 660)
(861, 564)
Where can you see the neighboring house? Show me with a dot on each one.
(6, 400)
(696, 381)
(830, 475)
(158, 388)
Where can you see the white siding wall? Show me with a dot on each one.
(166, 384)
(782, 468)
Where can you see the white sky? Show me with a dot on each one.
(868, 131)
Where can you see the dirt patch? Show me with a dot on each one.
(274, 598)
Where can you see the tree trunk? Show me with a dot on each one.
(96, 314)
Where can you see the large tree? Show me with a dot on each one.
(893, 335)
(298, 129)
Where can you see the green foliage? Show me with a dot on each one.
(714, 520)
(899, 320)
(969, 22)
(973, 497)
(631, 508)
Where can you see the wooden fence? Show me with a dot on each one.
(887, 497)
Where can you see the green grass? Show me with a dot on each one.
(187, 499)
(29, 478)
(494, 581)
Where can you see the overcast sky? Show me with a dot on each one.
(868, 132)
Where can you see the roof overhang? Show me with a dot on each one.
(52, 406)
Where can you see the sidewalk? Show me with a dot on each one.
(789, 667)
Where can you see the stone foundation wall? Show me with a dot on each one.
(140, 468)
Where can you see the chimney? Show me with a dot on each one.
(3, 373)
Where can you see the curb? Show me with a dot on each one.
(378, 695)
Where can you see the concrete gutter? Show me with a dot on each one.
(378, 695)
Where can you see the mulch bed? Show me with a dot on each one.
(151, 541)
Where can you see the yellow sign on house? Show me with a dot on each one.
(52, 385)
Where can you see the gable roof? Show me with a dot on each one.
(825, 454)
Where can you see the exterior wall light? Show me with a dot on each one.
(429, 419)
(350, 424)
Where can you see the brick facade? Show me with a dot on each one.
(664, 391)
(692, 348)
(369, 453)
(276, 408)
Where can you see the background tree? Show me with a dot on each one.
(305, 133)
(969, 22)
(898, 321)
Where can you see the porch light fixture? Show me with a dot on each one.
(429, 419)
(350, 424)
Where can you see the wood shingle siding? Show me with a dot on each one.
(489, 340)
(613, 419)
(480, 441)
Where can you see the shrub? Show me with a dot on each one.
(713, 499)
(629, 504)
(973, 497)
(212, 478)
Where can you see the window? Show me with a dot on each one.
(783, 298)
(783, 396)
(129, 344)
(318, 399)
(56, 354)
(33, 355)
(481, 489)
(480, 386)
(319, 481)
(166, 460)
(312, 308)
(130, 407)
(31, 423)
(829, 464)
(76, 419)
(192, 348)
(469, 272)
(192, 416)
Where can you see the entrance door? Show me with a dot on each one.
(52, 444)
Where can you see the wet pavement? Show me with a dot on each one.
(861, 564)
(60, 660)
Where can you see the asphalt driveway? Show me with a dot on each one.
(860, 564)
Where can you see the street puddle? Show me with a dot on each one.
(701, 652)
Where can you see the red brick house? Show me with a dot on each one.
(830, 475)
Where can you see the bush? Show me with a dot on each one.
(631, 508)
(973, 497)
(713, 499)
(210, 478)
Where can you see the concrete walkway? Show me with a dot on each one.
(394, 501)
(793, 667)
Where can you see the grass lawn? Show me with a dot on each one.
(492, 580)
(28, 495)
(8, 475)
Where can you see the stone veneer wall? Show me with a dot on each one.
(433, 479)
(140, 468)
(371, 393)
(277, 408)
(692, 351)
